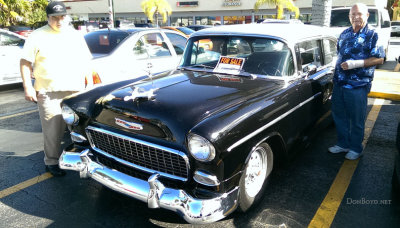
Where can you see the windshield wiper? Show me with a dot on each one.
(203, 65)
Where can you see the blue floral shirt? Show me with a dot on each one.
(356, 46)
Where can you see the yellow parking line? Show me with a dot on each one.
(25, 184)
(329, 206)
(18, 114)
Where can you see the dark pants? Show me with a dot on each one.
(349, 111)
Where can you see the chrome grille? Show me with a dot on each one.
(139, 154)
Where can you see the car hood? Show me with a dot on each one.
(170, 105)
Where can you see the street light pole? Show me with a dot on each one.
(111, 13)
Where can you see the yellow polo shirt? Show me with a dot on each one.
(61, 60)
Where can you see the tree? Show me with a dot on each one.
(280, 5)
(11, 11)
(155, 7)
(321, 12)
(37, 12)
(14, 12)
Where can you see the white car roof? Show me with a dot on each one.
(12, 33)
(289, 32)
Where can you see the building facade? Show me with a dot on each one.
(192, 12)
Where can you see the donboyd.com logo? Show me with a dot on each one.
(364, 201)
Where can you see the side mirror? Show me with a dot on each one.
(310, 69)
(201, 50)
(386, 24)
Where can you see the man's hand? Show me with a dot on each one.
(344, 66)
(351, 64)
(26, 74)
(30, 94)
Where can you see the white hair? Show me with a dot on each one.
(361, 7)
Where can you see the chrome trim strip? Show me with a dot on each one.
(153, 192)
(77, 136)
(147, 170)
(210, 177)
(236, 144)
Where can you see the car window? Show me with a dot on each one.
(178, 41)
(9, 40)
(261, 55)
(139, 50)
(104, 42)
(310, 53)
(329, 51)
(154, 46)
(340, 18)
(395, 22)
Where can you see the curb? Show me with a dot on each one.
(388, 96)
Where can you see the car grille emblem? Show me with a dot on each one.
(129, 125)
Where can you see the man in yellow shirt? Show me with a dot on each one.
(58, 57)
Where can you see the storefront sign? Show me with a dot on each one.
(187, 4)
(231, 3)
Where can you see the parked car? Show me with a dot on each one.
(145, 25)
(202, 140)
(289, 21)
(21, 30)
(395, 28)
(121, 54)
(10, 54)
(184, 30)
(198, 27)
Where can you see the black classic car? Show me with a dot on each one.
(203, 139)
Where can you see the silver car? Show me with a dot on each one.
(121, 54)
(10, 54)
(395, 28)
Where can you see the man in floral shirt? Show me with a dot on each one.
(358, 54)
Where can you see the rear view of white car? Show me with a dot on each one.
(10, 54)
(121, 54)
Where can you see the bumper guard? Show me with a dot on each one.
(152, 192)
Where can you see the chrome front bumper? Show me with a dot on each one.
(152, 191)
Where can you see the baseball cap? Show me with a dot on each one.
(56, 9)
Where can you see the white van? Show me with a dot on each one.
(378, 18)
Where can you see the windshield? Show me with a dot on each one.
(104, 42)
(254, 55)
(340, 18)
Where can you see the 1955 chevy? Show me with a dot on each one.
(202, 140)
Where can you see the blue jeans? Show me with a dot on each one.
(349, 111)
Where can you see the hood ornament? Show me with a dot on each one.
(139, 92)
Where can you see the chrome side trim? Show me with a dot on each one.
(198, 175)
(152, 191)
(249, 136)
(77, 137)
(183, 155)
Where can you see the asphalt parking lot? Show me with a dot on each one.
(313, 189)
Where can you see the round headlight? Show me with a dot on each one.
(69, 115)
(200, 148)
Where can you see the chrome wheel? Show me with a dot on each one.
(255, 176)
(256, 171)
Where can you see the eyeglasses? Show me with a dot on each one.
(354, 15)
